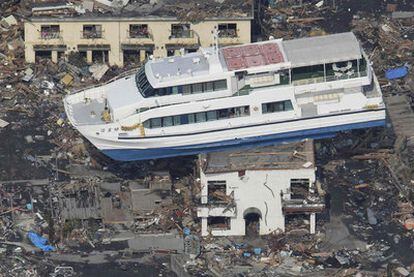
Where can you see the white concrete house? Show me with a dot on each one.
(252, 190)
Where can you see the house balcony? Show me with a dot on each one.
(302, 206)
(229, 38)
(50, 36)
(217, 203)
(93, 34)
(139, 37)
(215, 211)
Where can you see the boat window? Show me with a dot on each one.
(145, 88)
(184, 119)
(208, 86)
(191, 118)
(177, 120)
(211, 115)
(187, 89)
(197, 88)
(155, 122)
(224, 113)
(174, 90)
(280, 106)
(167, 121)
(197, 117)
(200, 117)
(220, 85)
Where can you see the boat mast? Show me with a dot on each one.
(216, 40)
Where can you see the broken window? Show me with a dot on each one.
(60, 55)
(43, 54)
(138, 31)
(92, 31)
(190, 50)
(100, 56)
(299, 188)
(170, 52)
(131, 57)
(227, 30)
(218, 222)
(181, 31)
(216, 192)
(49, 31)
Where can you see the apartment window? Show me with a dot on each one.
(181, 31)
(49, 31)
(274, 107)
(43, 54)
(227, 30)
(138, 31)
(100, 56)
(216, 192)
(197, 117)
(92, 31)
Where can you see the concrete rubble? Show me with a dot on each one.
(105, 216)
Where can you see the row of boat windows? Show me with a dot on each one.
(148, 91)
(168, 121)
(191, 118)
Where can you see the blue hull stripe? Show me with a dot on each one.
(155, 153)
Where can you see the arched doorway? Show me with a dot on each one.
(252, 218)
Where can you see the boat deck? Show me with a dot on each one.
(88, 113)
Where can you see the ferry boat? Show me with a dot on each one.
(261, 93)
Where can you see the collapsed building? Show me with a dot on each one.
(101, 34)
(251, 192)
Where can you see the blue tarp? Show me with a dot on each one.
(396, 73)
(40, 242)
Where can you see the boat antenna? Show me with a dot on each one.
(216, 40)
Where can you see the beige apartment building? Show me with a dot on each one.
(121, 40)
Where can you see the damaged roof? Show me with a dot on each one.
(287, 156)
(184, 10)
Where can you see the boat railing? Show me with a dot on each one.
(120, 76)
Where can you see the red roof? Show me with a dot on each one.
(240, 57)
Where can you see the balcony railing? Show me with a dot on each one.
(228, 34)
(50, 35)
(306, 79)
(139, 34)
(92, 34)
(294, 206)
(181, 34)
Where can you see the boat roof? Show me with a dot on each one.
(191, 65)
(322, 49)
(252, 55)
(272, 54)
